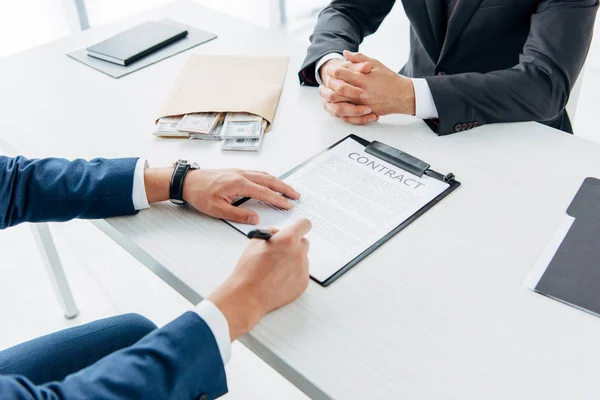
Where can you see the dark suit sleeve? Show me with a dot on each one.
(179, 361)
(342, 26)
(55, 189)
(536, 89)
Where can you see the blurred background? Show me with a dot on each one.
(100, 273)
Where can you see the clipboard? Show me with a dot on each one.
(399, 159)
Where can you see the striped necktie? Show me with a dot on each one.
(451, 5)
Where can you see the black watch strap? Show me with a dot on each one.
(176, 189)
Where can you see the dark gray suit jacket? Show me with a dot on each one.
(497, 61)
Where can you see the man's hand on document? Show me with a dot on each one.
(212, 191)
(269, 275)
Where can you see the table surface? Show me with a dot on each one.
(440, 311)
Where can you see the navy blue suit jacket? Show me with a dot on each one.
(54, 189)
(179, 361)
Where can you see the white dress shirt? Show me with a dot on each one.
(206, 310)
(424, 105)
(140, 201)
(217, 323)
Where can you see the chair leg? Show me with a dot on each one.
(277, 13)
(77, 15)
(282, 13)
(84, 21)
(51, 259)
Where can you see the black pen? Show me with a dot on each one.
(259, 234)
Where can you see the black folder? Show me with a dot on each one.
(573, 275)
(401, 160)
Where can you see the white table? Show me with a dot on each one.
(438, 312)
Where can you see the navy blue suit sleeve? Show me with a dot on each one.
(55, 189)
(179, 361)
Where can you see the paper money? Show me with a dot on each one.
(218, 129)
(170, 120)
(198, 123)
(215, 134)
(247, 144)
(242, 125)
(167, 127)
(201, 136)
(241, 129)
(236, 117)
(214, 126)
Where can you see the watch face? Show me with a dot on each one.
(178, 202)
(192, 164)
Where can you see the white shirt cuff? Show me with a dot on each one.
(217, 323)
(140, 201)
(322, 61)
(425, 106)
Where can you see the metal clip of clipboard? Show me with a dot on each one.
(405, 161)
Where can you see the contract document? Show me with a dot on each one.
(353, 199)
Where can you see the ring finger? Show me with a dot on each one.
(272, 183)
(329, 95)
(341, 110)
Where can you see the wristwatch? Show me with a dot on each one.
(179, 173)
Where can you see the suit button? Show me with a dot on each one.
(458, 128)
(475, 124)
(470, 125)
(464, 127)
(441, 73)
(203, 396)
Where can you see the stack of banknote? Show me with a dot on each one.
(167, 127)
(239, 131)
(243, 132)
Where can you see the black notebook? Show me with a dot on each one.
(569, 270)
(136, 43)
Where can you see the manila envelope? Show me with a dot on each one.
(212, 83)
